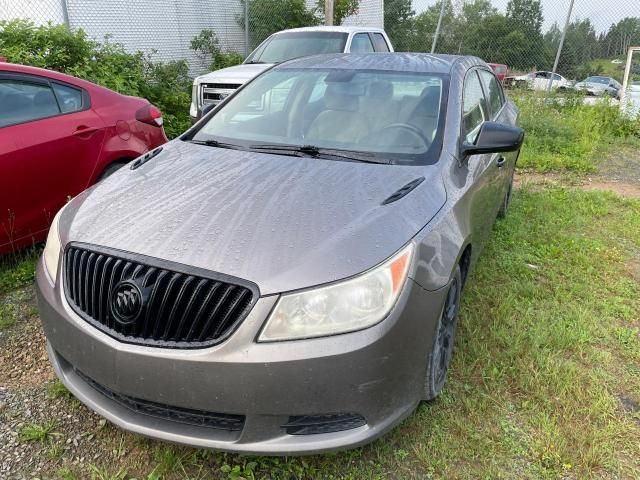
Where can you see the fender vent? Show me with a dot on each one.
(403, 191)
(145, 158)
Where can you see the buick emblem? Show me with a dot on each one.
(126, 302)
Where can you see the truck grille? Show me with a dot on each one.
(214, 93)
(142, 300)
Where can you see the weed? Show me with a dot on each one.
(567, 135)
(56, 389)
(102, 473)
(35, 432)
(66, 473)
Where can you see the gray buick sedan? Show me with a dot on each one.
(285, 277)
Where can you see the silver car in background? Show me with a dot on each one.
(285, 277)
(599, 86)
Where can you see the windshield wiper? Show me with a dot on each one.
(254, 62)
(314, 151)
(216, 143)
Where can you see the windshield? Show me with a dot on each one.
(392, 115)
(285, 46)
(604, 80)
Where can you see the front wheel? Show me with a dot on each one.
(442, 349)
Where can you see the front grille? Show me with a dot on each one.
(142, 300)
(187, 416)
(214, 93)
(328, 423)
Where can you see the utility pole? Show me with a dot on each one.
(435, 36)
(328, 12)
(555, 63)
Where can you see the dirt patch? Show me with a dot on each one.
(621, 165)
(622, 189)
(538, 181)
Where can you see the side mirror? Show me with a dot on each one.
(207, 108)
(494, 137)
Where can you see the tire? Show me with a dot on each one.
(444, 337)
(110, 170)
(506, 201)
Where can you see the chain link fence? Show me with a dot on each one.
(522, 34)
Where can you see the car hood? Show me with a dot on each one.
(236, 74)
(282, 222)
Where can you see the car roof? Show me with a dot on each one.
(50, 74)
(343, 29)
(400, 62)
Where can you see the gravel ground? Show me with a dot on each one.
(28, 395)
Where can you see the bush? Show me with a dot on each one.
(566, 134)
(166, 85)
(207, 48)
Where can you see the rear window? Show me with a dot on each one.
(379, 42)
(285, 46)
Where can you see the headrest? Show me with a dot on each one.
(381, 89)
(45, 97)
(431, 93)
(336, 99)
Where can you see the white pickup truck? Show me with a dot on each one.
(212, 88)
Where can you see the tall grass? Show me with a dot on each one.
(567, 135)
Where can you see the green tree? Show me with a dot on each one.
(526, 14)
(270, 16)
(425, 28)
(525, 17)
(398, 23)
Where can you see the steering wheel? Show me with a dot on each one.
(413, 130)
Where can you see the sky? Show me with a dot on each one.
(602, 13)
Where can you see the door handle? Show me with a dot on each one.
(84, 131)
(500, 161)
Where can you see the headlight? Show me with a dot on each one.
(51, 252)
(354, 304)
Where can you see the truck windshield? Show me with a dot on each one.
(387, 115)
(285, 46)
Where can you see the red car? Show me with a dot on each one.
(499, 69)
(58, 136)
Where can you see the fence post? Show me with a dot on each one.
(555, 63)
(435, 35)
(328, 12)
(246, 28)
(65, 13)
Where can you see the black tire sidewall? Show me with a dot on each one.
(431, 389)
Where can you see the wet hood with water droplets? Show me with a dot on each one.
(282, 222)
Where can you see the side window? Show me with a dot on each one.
(24, 102)
(69, 98)
(380, 43)
(493, 90)
(473, 110)
(361, 43)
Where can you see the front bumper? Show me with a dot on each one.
(377, 373)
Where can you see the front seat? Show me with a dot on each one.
(340, 122)
(423, 112)
(379, 107)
